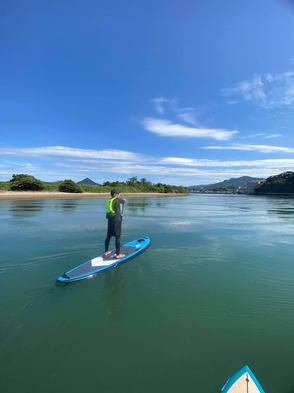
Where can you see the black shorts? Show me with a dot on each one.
(114, 228)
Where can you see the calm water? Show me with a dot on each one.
(214, 291)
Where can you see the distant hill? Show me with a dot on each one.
(279, 184)
(233, 182)
(88, 182)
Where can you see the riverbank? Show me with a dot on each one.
(31, 195)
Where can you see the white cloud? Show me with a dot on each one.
(187, 109)
(68, 163)
(186, 114)
(20, 166)
(272, 136)
(188, 118)
(285, 77)
(72, 152)
(274, 92)
(261, 134)
(277, 163)
(251, 91)
(16, 163)
(167, 129)
(259, 148)
(269, 77)
(189, 114)
(159, 104)
(253, 135)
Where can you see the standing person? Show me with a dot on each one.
(114, 216)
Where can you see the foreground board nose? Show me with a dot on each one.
(243, 381)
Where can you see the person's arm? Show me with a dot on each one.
(117, 203)
(122, 202)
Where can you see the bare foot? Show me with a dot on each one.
(107, 254)
(120, 256)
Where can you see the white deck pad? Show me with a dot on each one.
(103, 261)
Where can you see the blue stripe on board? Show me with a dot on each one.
(230, 382)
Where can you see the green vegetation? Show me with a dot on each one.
(52, 187)
(70, 186)
(143, 185)
(4, 186)
(132, 185)
(279, 184)
(25, 183)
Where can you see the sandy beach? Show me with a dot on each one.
(30, 195)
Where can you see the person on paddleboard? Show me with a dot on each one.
(114, 213)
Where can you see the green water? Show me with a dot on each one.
(214, 291)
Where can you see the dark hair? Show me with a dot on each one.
(113, 192)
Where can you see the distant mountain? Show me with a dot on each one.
(88, 182)
(233, 182)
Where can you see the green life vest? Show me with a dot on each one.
(109, 209)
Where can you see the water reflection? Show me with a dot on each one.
(288, 212)
(114, 295)
(140, 205)
(68, 205)
(18, 208)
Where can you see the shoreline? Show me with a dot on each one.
(33, 195)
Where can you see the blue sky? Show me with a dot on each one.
(179, 92)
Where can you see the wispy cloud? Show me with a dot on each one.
(14, 163)
(62, 151)
(67, 163)
(280, 163)
(159, 104)
(24, 166)
(249, 136)
(272, 136)
(188, 114)
(259, 148)
(166, 128)
(251, 91)
(260, 134)
(272, 91)
(188, 118)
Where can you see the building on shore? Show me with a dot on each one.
(252, 184)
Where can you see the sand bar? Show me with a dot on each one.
(30, 195)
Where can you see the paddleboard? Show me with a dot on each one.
(101, 263)
(243, 381)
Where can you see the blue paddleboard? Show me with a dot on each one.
(101, 263)
(243, 381)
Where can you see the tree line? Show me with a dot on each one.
(23, 182)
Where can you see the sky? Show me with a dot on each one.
(178, 92)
